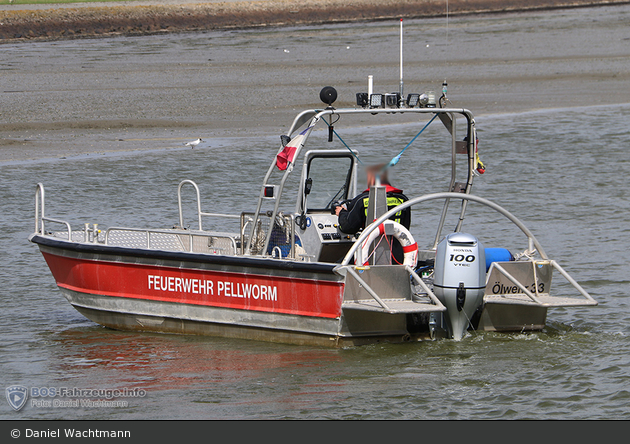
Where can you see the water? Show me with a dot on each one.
(561, 171)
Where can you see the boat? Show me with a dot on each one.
(293, 276)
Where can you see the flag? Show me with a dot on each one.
(287, 154)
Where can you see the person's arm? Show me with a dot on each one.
(405, 218)
(353, 219)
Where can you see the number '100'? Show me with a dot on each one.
(462, 258)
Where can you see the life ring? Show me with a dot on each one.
(409, 245)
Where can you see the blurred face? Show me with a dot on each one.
(370, 178)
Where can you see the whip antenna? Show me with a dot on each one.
(401, 59)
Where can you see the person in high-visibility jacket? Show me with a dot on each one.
(352, 216)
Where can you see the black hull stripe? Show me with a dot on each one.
(243, 261)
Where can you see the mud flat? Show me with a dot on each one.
(68, 98)
(54, 22)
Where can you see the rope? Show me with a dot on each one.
(391, 250)
(396, 158)
(342, 141)
(375, 248)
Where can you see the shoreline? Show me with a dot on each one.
(224, 140)
(74, 97)
(20, 23)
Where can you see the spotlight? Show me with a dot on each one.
(376, 101)
(430, 99)
(391, 100)
(413, 100)
(363, 99)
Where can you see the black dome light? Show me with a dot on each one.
(328, 95)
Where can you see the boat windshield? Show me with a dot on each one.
(329, 179)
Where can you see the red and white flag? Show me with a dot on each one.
(286, 156)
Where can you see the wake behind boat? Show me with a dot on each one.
(293, 275)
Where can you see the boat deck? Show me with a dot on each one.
(179, 240)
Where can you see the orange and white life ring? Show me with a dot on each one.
(409, 245)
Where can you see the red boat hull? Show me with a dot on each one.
(303, 297)
(239, 297)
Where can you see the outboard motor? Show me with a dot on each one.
(459, 279)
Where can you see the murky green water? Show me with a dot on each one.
(563, 172)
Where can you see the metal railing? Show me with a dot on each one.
(414, 276)
(174, 236)
(532, 241)
(200, 213)
(314, 116)
(533, 244)
(535, 296)
(171, 239)
(40, 217)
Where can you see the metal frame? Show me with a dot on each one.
(351, 270)
(190, 234)
(199, 212)
(533, 244)
(449, 122)
(40, 202)
(289, 218)
(314, 116)
(536, 296)
(413, 305)
(428, 197)
(41, 218)
(300, 205)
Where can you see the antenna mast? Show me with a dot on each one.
(401, 59)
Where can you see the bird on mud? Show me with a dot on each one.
(194, 143)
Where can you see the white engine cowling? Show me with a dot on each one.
(459, 279)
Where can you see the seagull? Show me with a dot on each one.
(194, 143)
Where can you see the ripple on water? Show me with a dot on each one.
(576, 368)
